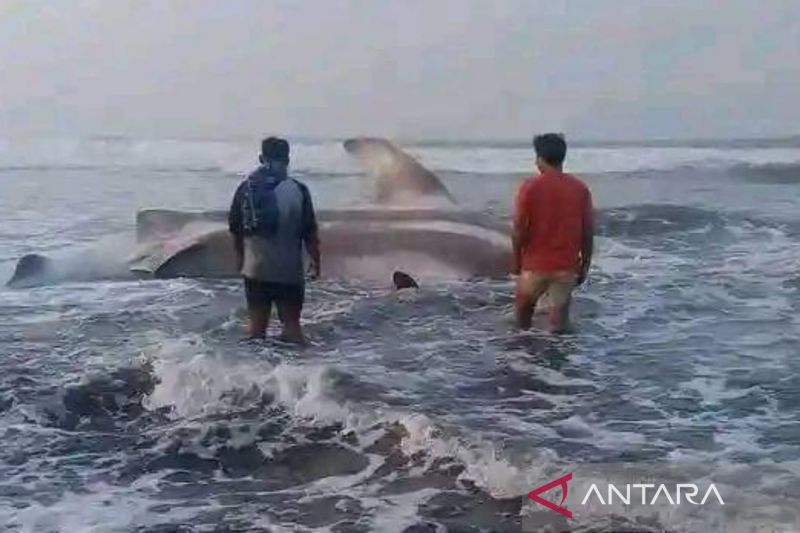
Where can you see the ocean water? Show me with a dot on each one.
(135, 406)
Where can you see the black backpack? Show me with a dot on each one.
(260, 214)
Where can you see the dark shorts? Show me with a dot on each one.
(263, 293)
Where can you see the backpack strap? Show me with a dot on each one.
(251, 219)
(254, 219)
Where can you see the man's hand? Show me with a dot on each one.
(312, 246)
(587, 246)
(583, 273)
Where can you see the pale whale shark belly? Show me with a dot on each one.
(362, 244)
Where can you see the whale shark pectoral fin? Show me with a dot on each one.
(159, 223)
(31, 270)
(210, 254)
(399, 178)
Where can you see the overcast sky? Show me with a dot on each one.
(621, 69)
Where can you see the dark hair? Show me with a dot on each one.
(402, 280)
(275, 149)
(551, 148)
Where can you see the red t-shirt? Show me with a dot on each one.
(552, 212)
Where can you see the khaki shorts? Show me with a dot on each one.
(558, 285)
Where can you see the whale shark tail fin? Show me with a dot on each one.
(30, 271)
(399, 178)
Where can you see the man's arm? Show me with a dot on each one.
(236, 228)
(310, 231)
(587, 243)
(519, 233)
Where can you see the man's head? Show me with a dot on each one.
(402, 280)
(274, 149)
(551, 150)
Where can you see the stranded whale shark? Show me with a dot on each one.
(413, 225)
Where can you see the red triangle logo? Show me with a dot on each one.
(560, 482)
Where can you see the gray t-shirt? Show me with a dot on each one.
(279, 257)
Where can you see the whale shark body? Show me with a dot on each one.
(414, 226)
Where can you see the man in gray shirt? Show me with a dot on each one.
(271, 218)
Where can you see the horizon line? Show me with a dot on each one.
(788, 139)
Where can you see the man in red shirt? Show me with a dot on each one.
(553, 235)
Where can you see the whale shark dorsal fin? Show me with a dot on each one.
(399, 178)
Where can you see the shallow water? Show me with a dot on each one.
(135, 406)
